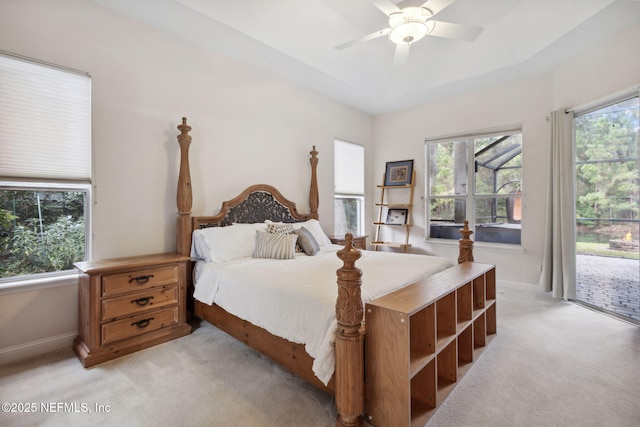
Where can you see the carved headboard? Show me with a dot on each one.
(257, 203)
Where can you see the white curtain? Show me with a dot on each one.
(558, 265)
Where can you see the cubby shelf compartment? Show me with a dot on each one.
(465, 348)
(447, 366)
(446, 319)
(423, 393)
(464, 306)
(422, 339)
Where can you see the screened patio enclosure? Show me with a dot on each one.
(494, 204)
(607, 177)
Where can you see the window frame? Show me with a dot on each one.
(39, 279)
(360, 205)
(470, 197)
(360, 197)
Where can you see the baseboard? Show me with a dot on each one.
(518, 285)
(36, 348)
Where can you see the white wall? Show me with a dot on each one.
(605, 69)
(248, 126)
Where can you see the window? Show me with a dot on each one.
(489, 197)
(607, 204)
(349, 188)
(45, 167)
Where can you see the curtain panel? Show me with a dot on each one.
(558, 265)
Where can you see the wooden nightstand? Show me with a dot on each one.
(127, 304)
(359, 242)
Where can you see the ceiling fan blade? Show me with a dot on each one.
(401, 54)
(436, 6)
(366, 38)
(449, 30)
(386, 6)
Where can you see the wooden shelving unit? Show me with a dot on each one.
(423, 338)
(383, 208)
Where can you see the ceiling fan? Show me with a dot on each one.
(409, 24)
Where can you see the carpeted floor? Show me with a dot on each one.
(552, 363)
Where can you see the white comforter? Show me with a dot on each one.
(295, 299)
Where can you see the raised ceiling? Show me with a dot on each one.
(296, 39)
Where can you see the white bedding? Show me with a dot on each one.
(295, 299)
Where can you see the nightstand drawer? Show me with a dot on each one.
(138, 325)
(140, 279)
(138, 302)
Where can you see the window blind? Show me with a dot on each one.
(348, 168)
(45, 121)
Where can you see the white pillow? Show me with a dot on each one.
(199, 248)
(219, 244)
(314, 227)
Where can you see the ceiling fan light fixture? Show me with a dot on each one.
(409, 25)
(408, 32)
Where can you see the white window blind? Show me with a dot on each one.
(45, 121)
(348, 168)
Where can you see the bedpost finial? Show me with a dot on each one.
(465, 244)
(349, 255)
(314, 198)
(184, 128)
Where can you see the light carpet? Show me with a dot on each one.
(552, 363)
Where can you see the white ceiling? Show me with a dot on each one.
(296, 39)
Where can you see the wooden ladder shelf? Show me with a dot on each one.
(389, 221)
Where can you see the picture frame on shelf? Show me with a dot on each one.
(398, 173)
(397, 216)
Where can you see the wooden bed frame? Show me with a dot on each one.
(347, 383)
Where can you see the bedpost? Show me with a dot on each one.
(184, 198)
(466, 244)
(349, 373)
(313, 191)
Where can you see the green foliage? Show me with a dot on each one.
(40, 231)
(607, 169)
(7, 220)
(61, 244)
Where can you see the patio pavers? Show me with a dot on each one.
(609, 283)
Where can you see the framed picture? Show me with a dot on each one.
(398, 173)
(397, 216)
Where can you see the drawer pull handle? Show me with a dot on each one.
(142, 301)
(141, 280)
(142, 323)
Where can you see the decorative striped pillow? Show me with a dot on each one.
(275, 245)
(284, 228)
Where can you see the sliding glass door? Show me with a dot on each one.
(607, 208)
